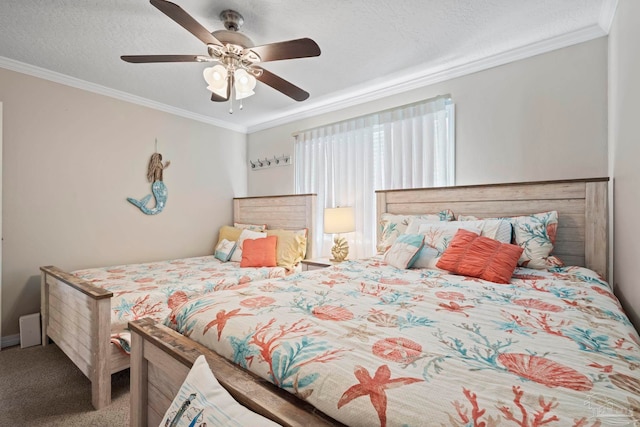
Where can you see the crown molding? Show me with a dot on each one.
(404, 82)
(415, 80)
(607, 13)
(55, 77)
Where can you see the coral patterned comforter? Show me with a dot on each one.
(370, 345)
(153, 289)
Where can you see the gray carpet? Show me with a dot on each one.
(40, 386)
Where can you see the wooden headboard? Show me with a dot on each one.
(292, 212)
(582, 237)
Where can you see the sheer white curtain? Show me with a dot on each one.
(344, 163)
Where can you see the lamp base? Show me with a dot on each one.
(340, 249)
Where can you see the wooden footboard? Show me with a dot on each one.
(161, 359)
(76, 316)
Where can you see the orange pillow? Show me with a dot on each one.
(259, 252)
(479, 256)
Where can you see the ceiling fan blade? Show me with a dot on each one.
(178, 14)
(299, 48)
(280, 84)
(141, 59)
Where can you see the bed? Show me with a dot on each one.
(86, 320)
(551, 346)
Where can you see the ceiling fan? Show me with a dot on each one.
(237, 56)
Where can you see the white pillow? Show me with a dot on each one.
(497, 229)
(246, 234)
(210, 402)
(416, 222)
(437, 237)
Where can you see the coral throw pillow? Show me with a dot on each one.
(259, 252)
(481, 257)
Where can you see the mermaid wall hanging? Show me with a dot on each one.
(159, 190)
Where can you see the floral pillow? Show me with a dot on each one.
(391, 226)
(224, 250)
(536, 235)
(404, 251)
(203, 401)
(437, 238)
(252, 227)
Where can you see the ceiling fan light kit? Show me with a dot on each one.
(237, 71)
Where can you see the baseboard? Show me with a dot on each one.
(10, 341)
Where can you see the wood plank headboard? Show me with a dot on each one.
(290, 212)
(582, 205)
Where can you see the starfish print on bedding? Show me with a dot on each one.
(360, 333)
(454, 307)
(221, 320)
(376, 389)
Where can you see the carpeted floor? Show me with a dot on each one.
(40, 386)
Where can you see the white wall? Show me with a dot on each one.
(540, 118)
(624, 120)
(71, 158)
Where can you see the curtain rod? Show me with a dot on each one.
(411, 104)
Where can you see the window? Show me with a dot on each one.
(345, 163)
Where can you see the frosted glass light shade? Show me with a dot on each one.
(244, 83)
(216, 78)
(339, 220)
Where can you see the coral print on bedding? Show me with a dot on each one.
(153, 289)
(369, 344)
(392, 226)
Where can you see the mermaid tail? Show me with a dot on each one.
(141, 202)
(159, 191)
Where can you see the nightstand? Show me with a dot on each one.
(316, 263)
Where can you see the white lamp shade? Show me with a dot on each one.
(339, 220)
(216, 77)
(242, 95)
(244, 83)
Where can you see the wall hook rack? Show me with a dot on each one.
(269, 162)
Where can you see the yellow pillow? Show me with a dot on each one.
(291, 248)
(229, 233)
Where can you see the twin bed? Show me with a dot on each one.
(86, 313)
(363, 343)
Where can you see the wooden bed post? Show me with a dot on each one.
(44, 307)
(139, 382)
(381, 207)
(101, 366)
(596, 230)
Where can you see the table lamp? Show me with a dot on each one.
(336, 221)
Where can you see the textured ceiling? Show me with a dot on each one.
(366, 44)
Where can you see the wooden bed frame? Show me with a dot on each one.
(582, 237)
(76, 315)
(161, 358)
